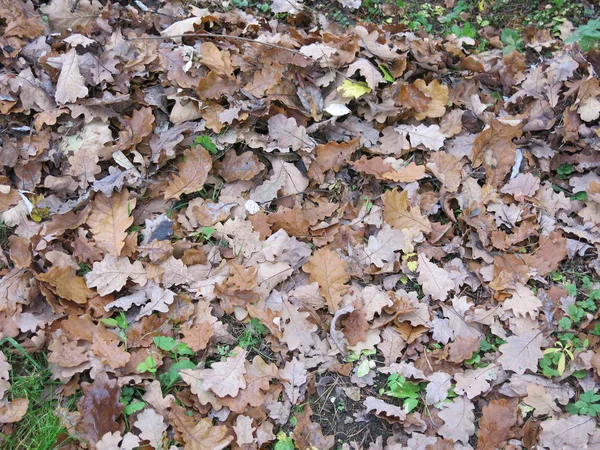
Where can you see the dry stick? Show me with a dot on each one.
(224, 36)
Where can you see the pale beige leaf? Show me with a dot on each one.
(244, 430)
(589, 109)
(109, 220)
(293, 377)
(522, 352)
(434, 280)
(381, 248)
(523, 302)
(62, 15)
(330, 271)
(474, 382)
(152, 427)
(297, 331)
(374, 300)
(523, 185)
(371, 74)
(71, 84)
(191, 173)
(540, 400)
(459, 420)
(437, 389)
(110, 441)
(226, 377)
(570, 433)
(385, 410)
(111, 274)
(429, 136)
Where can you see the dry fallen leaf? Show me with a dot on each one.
(329, 270)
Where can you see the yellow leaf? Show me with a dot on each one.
(561, 364)
(354, 89)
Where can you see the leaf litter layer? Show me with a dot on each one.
(270, 234)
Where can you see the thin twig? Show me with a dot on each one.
(224, 36)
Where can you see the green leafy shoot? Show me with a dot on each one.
(147, 366)
(207, 143)
(404, 390)
(511, 40)
(587, 35)
(588, 404)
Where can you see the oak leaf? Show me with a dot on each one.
(522, 352)
(191, 173)
(435, 280)
(330, 271)
(67, 284)
(293, 377)
(216, 60)
(297, 331)
(523, 302)
(13, 411)
(493, 148)
(540, 400)
(474, 382)
(429, 136)
(384, 410)
(200, 434)
(152, 427)
(111, 274)
(71, 84)
(399, 214)
(100, 408)
(109, 219)
(570, 433)
(226, 377)
(459, 420)
(498, 417)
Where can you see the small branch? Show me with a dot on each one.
(224, 36)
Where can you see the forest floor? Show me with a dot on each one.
(287, 225)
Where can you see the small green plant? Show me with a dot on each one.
(555, 359)
(467, 30)
(84, 269)
(147, 366)
(584, 306)
(130, 397)
(564, 170)
(253, 334)
(284, 442)
(410, 392)
(177, 352)
(587, 35)
(588, 404)
(203, 233)
(353, 356)
(169, 344)
(206, 141)
(120, 322)
(511, 40)
(489, 344)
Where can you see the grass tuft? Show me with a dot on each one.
(40, 428)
